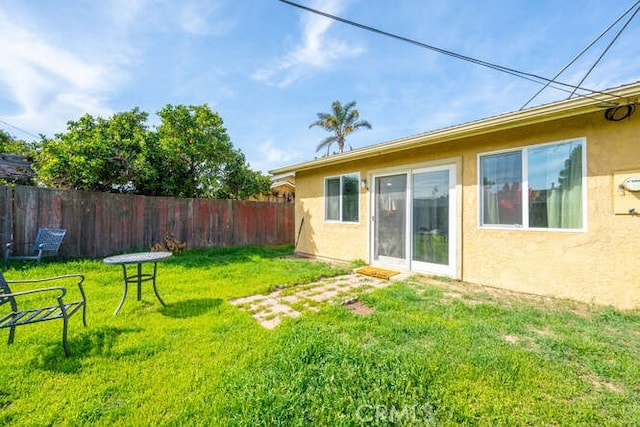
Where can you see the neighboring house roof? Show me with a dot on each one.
(15, 167)
(283, 184)
(601, 101)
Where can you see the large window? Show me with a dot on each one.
(552, 175)
(342, 197)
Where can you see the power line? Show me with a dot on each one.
(517, 73)
(608, 47)
(19, 129)
(602, 34)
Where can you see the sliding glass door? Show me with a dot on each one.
(432, 214)
(390, 220)
(413, 221)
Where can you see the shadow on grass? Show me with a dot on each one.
(95, 342)
(5, 400)
(22, 265)
(191, 307)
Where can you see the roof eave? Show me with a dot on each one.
(541, 114)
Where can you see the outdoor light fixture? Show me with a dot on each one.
(363, 184)
(620, 112)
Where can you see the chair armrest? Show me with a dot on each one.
(62, 290)
(80, 278)
(47, 279)
(10, 245)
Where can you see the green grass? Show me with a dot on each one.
(431, 352)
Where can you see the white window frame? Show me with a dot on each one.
(524, 150)
(341, 177)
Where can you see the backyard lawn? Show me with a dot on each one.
(430, 352)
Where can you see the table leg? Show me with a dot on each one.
(155, 290)
(140, 281)
(124, 293)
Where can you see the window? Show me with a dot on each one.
(553, 176)
(342, 197)
(501, 188)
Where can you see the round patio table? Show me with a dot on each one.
(137, 276)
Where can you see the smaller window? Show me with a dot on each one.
(342, 198)
(501, 176)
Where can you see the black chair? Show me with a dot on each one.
(57, 308)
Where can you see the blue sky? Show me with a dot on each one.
(267, 68)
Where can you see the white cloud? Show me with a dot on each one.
(197, 17)
(316, 50)
(49, 84)
(125, 12)
(272, 156)
(204, 18)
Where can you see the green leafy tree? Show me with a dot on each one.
(340, 122)
(195, 147)
(189, 154)
(240, 182)
(11, 145)
(4, 138)
(96, 154)
(199, 159)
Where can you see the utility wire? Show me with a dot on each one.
(524, 75)
(18, 129)
(608, 47)
(602, 34)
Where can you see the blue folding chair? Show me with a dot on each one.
(47, 243)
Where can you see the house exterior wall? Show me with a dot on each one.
(597, 265)
(324, 239)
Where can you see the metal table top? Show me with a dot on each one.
(137, 258)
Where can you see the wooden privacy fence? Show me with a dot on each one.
(99, 224)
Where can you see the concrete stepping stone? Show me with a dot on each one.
(269, 310)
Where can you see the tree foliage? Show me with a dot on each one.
(189, 154)
(95, 154)
(26, 150)
(340, 122)
(11, 145)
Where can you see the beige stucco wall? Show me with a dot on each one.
(317, 237)
(600, 265)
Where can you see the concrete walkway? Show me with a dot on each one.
(269, 310)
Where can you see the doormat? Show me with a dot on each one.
(380, 273)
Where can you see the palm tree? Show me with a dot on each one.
(342, 122)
